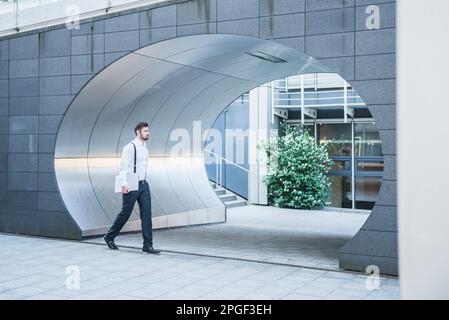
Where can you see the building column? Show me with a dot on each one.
(260, 128)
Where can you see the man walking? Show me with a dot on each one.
(137, 151)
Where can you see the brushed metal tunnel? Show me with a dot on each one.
(170, 85)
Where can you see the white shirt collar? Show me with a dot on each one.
(142, 143)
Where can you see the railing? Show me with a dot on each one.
(312, 91)
(219, 169)
(328, 98)
(311, 81)
(22, 15)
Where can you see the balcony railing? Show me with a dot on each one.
(328, 98)
(313, 91)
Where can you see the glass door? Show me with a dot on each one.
(338, 137)
(369, 165)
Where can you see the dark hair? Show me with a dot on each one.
(139, 126)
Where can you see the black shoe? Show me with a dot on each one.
(110, 243)
(151, 250)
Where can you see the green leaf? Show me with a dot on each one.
(297, 170)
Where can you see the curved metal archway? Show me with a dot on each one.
(170, 84)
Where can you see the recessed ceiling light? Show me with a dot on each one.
(266, 57)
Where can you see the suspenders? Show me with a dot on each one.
(135, 160)
(135, 157)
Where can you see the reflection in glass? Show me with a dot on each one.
(338, 137)
(340, 196)
(367, 140)
(366, 191)
(370, 166)
(341, 165)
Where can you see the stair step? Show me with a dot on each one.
(228, 197)
(220, 191)
(236, 203)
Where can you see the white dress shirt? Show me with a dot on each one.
(127, 160)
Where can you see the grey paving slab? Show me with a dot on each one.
(37, 269)
(283, 236)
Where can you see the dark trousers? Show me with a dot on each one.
(143, 198)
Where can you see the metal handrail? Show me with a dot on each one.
(315, 92)
(313, 99)
(344, 97)
(218, 168)
(317, 95)
(226, 160)
(294, 107)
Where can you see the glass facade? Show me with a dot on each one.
(369, 164)
(348, 142)
(338, 138)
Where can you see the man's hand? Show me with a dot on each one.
(125, 190)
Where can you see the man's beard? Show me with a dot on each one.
(145, 138)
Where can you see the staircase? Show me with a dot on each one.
(230, 199)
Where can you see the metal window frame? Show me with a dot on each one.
(353, 160)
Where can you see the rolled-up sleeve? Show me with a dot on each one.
(124, 165)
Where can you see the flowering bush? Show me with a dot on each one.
(296, 170)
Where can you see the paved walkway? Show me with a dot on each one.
(260, 233)
(35, 268)
(41, 268)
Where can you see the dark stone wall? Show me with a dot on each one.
(41, 71)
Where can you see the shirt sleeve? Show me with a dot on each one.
(124, 165)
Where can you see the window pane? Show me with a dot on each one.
(340, 193)
(366, 191)
(370, 166)
(367, 140)
(338, 137)
(341, 165)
